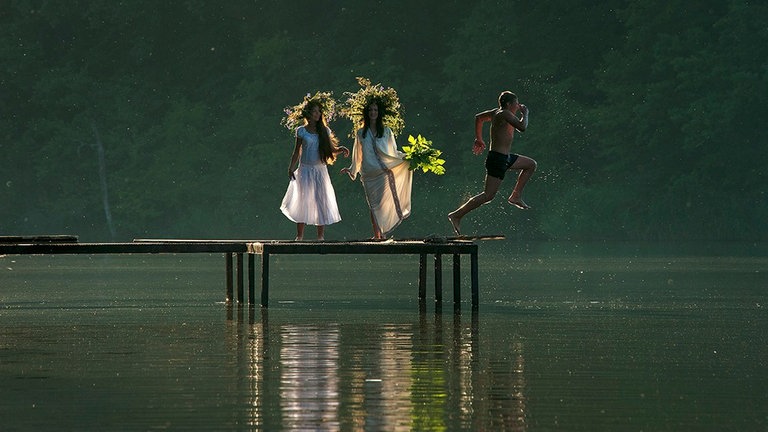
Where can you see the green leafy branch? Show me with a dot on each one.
(422, 155)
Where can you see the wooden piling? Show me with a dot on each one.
(438, 278)
(240, 291)
(422, 277)
(265, 279)
(456, 278)
(251, 279)
(228, 268)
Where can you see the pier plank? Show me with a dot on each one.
(38, 239)
(120, 248)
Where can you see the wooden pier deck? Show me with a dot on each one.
(235, 250)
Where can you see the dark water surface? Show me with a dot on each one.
(599, 337)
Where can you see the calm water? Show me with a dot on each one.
(630, 337)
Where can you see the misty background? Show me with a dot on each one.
(146, 119)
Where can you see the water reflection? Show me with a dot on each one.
(309, 382)
(428, 374)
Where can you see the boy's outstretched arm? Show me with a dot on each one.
(481, 118)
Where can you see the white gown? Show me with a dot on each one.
(310, 198)
(386, 177)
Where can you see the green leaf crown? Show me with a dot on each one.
(390, 109)
(296, 115)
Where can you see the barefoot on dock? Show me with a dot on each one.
(454, 223)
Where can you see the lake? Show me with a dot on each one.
(568, 336)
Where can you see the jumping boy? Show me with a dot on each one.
(504, 122)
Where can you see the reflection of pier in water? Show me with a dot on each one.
(424, 375)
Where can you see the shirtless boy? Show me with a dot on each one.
(504, 122)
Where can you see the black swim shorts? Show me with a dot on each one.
(497, 164)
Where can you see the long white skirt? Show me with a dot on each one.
(389, 195)
(310, 198)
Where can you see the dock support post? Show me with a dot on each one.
(456, 279)
(251, 279)
(422, 276)
(264, 279)
(240, 275)
(228, 267)
(438, 278)
(475, 281)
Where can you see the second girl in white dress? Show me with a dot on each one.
(310, 198)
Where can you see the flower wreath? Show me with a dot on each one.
(296, 115)
(390, 110)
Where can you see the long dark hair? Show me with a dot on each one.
(326, 139)
(379, 119)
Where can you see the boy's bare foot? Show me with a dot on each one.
(518, 202)
(454, 223)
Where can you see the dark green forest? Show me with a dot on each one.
(161, 119)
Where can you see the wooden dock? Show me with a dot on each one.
(235, 250)
(410, 247)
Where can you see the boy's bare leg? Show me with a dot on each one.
(299, 231)
(492, 185)
(455, 223)
(527, 167)
(321, 232)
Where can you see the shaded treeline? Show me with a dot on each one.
(646, 117)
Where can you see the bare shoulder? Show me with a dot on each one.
(487, 114)
(500, 116)
(505, 114)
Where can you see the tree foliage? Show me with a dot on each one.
(646, 118)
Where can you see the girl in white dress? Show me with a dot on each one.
(310, 198)
(385, 174)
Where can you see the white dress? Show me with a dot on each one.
(310, 198)
(386, 177)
